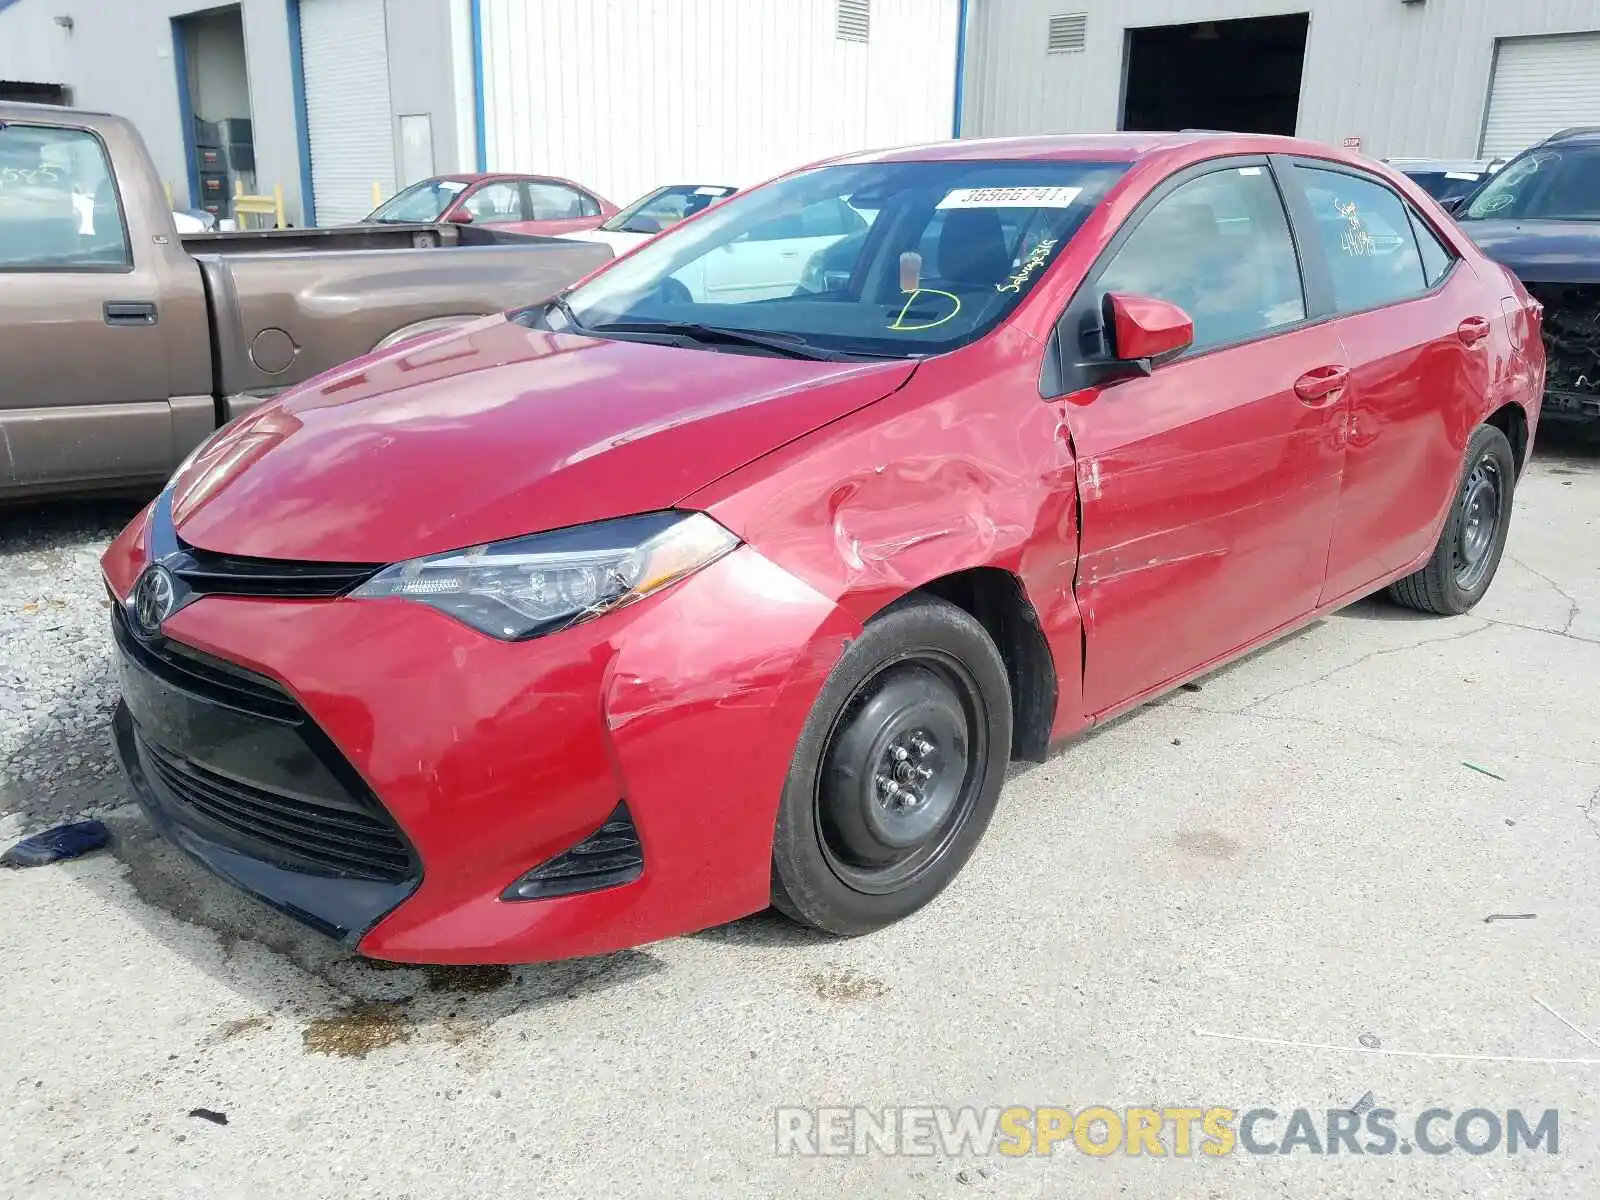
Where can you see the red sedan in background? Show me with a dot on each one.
(539, 204)
(638, 611)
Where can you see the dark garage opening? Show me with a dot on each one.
(1241, 75)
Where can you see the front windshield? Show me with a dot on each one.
(421, 202)
(665, 207)
(896, 259)
(1543, 184)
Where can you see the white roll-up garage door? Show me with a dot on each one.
(1541, 85)
(344, 52)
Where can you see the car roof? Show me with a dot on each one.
(1441, 164)
(1107, 147)
(1578, 133)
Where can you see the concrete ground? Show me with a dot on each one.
(1298, 853)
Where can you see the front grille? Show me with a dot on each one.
(235, 757)
(1571, 336)
(209, 573)
(201, 675)
(335, 841)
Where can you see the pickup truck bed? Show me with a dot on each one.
(123, 344)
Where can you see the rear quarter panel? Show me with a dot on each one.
(280, 319)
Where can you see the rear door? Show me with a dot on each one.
(1414, 323)
(84, 383)
(1207, 489)
(554, 208)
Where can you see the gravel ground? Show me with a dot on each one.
(1297, 853)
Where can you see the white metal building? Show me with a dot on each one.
(624, 95)
(1446, 78)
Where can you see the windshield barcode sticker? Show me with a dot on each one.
(1011, 197)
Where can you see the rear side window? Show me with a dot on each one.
(554, 202)
(1436, 257)
(59, 209)
(1219, 248)
(1366, 237)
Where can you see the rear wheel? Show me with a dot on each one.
(1468, 553)
(896, 773)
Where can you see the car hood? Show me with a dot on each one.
(1541, 251)
(620, 241)
(492, 430)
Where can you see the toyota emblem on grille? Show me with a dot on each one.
(154, 598)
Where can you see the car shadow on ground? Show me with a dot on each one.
(283, 971)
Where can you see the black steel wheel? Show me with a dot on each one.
(897, 771)
(1473, 539)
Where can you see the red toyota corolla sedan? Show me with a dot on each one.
(689, 593)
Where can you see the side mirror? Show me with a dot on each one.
(1145, 331)
(459, 217)
(1453, 204)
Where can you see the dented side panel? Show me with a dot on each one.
(1209, 492)
(963, 467)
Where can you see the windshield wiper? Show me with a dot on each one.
(559, 303)
(785, 345)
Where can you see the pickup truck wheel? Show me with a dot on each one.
(1474, 536)
(896, 773)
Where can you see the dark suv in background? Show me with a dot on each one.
(1540, 216)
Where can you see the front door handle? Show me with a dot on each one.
(130, 312)
(1320, 386)
(1473, 330)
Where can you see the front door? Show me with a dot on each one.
(84, 394)
(1208, 488)
(1410, 353)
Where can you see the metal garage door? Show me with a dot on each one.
(345, 56)
(1541, 85)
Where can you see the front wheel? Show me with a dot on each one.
(1474, 536)
(896, 773)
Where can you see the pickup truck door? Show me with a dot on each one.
(87, 392)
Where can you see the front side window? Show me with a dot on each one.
(59, 209)
(495, 203)
(421, 203)
(1542, 185)
(1364, 231)
(899, 259)
(1219, 248)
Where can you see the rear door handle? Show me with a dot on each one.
(130, 312)
(1473, 330)
(1320, 386)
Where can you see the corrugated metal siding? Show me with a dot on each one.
(1541, 85)
(345, 53)
(1405, 78)
(625, 95)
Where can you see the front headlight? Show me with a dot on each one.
(534, 585)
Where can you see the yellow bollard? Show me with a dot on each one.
(377, 194)
(277, 195)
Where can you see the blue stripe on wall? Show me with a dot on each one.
(478, 104)
(302, 122)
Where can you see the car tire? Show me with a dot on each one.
(1468, 553)
(896, 773)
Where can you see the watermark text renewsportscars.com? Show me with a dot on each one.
(1178, 1132)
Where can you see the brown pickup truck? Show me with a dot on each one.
(123, 344)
